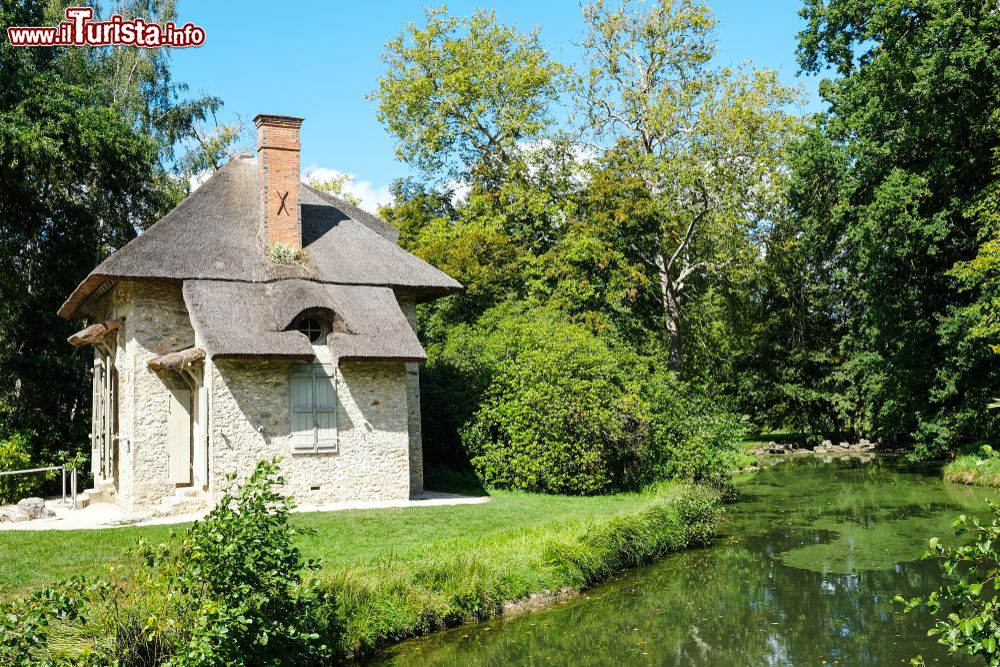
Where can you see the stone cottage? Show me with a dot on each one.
(260, 317)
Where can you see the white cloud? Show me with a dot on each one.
(195, 181)
(371, 196)
(459, 191)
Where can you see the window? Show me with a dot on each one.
(312, 328)
(312, 408)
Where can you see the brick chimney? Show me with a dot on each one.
(278, 155)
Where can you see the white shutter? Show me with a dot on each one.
(300, 406)
(325, 392)
(179, 436)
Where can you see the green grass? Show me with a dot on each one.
(975, 470)
(401, 572)
(29, 559)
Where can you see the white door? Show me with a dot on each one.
(179, 436)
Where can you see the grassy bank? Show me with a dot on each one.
(971, 469)
(401, 572)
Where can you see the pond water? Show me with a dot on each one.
(804, 574)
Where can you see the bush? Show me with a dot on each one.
(25, 624)
(967, 608)
(549, 406)
(558, 414)
(690, 438)
(240, 584)
(14, 455)
(233, 591)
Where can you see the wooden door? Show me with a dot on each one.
(179, 436)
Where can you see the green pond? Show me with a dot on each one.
(804, 574)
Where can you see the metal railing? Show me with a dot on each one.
(63, 502)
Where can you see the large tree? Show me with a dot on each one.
(461, 95)
(913, 108)
(707, 142)
(87, 139)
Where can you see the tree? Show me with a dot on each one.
(789, 367)
(86, 138)
(460, 94)
(707, 142)
(913, 109)
(981, 274)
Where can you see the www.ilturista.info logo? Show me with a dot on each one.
(80, 30)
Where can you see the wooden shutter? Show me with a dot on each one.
(179, 436)
(300, 395)
(312, 405)
(325, 391)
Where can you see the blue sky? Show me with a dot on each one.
(319, 60)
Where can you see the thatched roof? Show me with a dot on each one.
(213, 235)
(176, 360)
(234, 319)
(93, 333)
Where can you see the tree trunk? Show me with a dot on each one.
(671, 313)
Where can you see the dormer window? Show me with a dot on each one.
(313, 328)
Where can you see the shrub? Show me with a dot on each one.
(690, 438)
(967, 608)
(25, 624)
(240, 584)
(557, 414)
(233, 591)
(14, 455)
(547, 405)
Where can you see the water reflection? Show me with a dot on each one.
(805, 573)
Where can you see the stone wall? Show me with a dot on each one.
(408, 304)
(160, 324)
(154, 321)
(116, 304)
(379, 453)
(249, 422)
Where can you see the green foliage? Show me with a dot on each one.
(15, 455)
(983, 470)
(690, 438)
(88, 137)
(557, 410)
(542, 403)
(234, 590)
(460, 93)
(282, 253)
(337, 184)
(26, 624)
(236, 586)
(689, 519)
(966, 608)
(912, 134)
(980, 275)
(707, 144)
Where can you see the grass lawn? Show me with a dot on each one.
(30, 559)
(405, 571)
